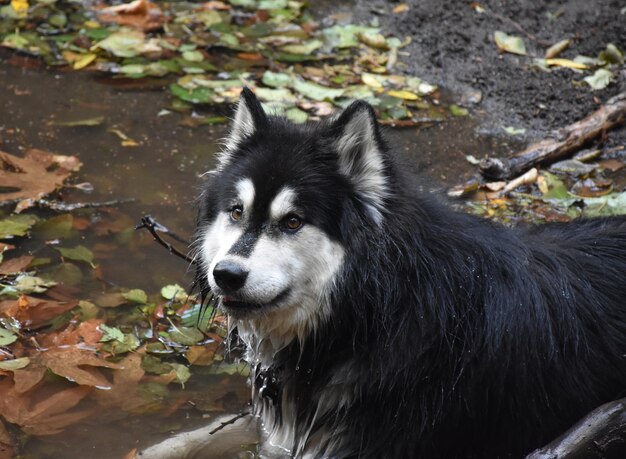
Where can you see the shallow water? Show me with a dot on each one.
(161, 175)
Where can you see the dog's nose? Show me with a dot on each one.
(229, 275)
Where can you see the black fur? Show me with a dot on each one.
(464, 338)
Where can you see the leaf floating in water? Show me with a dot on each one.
(78, 253)
(31, 177)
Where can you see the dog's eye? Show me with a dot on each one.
(292, 222)
(236, 213)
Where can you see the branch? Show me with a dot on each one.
(153, 226)
(568, 140)
(601, 434)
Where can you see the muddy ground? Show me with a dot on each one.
(452, 46)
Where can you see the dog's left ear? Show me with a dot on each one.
(359, 146)
(249, 118)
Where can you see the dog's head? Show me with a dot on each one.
(272, 225)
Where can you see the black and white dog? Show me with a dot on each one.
(380, 323)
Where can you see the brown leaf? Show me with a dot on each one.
(202, 355)
(34, 312)
(86, 332)
(44, 412)
(132, 454)
(7, 445)
(15, 265)
(612, 164)
(139, 14)
(4, 247)
(123, 393)
(31, 177)
(77, 365)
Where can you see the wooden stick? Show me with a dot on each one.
(601, 434)
(567, 141)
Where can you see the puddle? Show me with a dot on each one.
(161, 176)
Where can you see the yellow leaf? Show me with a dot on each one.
(20, 7)
(91, 24)
(566, 63)
(371, 81)
(401, 8)
(406, 95)
(84, 61)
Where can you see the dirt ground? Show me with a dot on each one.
(452, 46)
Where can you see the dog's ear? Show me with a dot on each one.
(358, 143)
(249, 118)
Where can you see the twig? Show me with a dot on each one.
(153, 226)
(229, 422)
(568, 140)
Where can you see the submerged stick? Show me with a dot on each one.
(568, 140)
(601, 434)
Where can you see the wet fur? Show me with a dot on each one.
(448, 335)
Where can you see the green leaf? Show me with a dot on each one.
(283, 95)
(32, 284)
(611, 55)
(110, 334)
(182, 372)
(195, 96)
(296, 115)
(509, 43)
(455, 110)
(16, 225)
(15, 364)
(57, 227)
(276, 79)
(136, 295)
(174, 292)
(154, 365)
(513, 130)
(126, 43)
(315, 91)
(187, 336)
(303, 48)
(7, 337)
(599, 80)
(129, 342)
(78, 253)
(15, 41)
(193, 56)
(345, 36)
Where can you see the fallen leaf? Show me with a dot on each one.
(30, 177)
(401, 8)
(34, 312)
(600, 79)
(557, 48)
(15, 265)
(16, 225)
(96, 121)
(15, 364)
(509, 43)
(139, 14)
(77, 365)
(136, 296)
(202, 355)
(513, 130)
(612, 165)
(7, 337)
(566, 63)
(78, 253)
(47, 412)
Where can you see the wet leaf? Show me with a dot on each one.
(303, 48)
(34, 312)
(195, 96)
(600, 79)
(136, 296)
(15, 265)
(139, 14)
(96, 121)
(78, 253)
(16, 225)
(57, 227)
(6, 337)
(186, 335)
(509, 43)
(15, 364)
(182, 372)
(32, 284)
(111, 334)
(78, 365)
(201, 355)
(47, 414)
(174, 292)
(276, 79)
(573, 167)
(345, 36)
(30, 177)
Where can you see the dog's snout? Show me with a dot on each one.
(230, 275)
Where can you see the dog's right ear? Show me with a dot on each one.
(249, 118)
